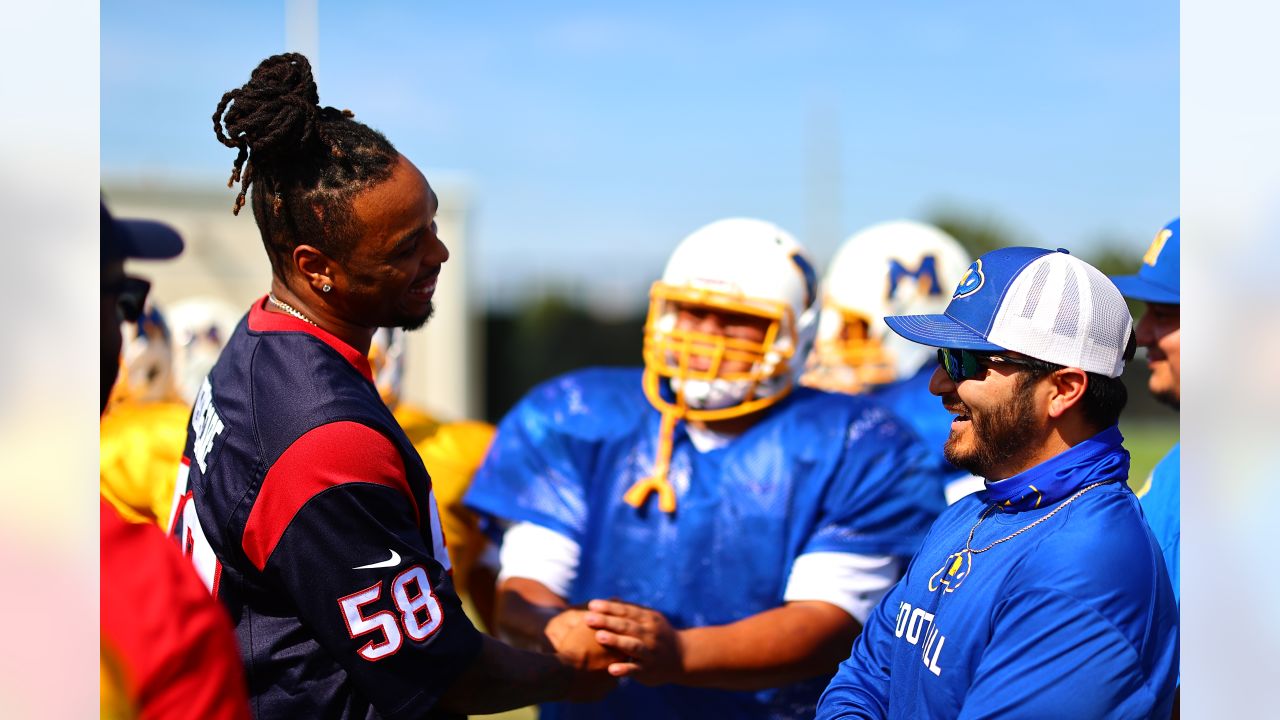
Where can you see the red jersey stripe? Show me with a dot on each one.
(330, 455)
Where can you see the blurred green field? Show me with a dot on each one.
(1147, 440)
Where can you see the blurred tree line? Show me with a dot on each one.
(552, 335)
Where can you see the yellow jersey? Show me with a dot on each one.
(141, 449)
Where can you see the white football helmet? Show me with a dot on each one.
(741, 267)
(737, 267)
(892, 268)
(200, 327)
(146, 360)
(386, 358)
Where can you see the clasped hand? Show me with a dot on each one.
(641, 641)
(624, 639)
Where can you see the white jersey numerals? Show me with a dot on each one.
(358, 624)
(185, 526)
(420, 614)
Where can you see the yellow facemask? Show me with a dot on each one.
(758, 370)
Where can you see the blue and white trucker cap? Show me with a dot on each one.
(1044, 304)
(1159, 278)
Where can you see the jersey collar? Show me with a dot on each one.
(1098, 458)
(262, 320)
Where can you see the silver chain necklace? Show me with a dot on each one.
(291, 310)
(963, 560)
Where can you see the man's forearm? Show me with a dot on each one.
(779, 646)
(524, 607)
(503, 678)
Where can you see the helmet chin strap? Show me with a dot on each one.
(657, 482)
(697, 395)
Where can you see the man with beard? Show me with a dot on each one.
(302, 502)
(1044, 594)
(1160, 331)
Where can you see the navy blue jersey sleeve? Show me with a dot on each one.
(884, 496)
(336, 529)
(376, 600)
(534, 469)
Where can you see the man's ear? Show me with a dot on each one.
(313, 266)
(1067, 387)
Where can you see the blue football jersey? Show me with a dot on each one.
(1163, 509)
(819, 473)
(911, 400)
(1071, 618)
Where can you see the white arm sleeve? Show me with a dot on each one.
(537, 553)
(854, 583)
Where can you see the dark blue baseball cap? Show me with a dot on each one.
(146, 239)
(1158, 280)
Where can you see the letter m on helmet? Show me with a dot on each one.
(926, 276)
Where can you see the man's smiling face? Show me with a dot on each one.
(995, 419)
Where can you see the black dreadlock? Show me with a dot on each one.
(305, 162)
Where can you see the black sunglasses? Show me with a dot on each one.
(131, 297)
(967, 364)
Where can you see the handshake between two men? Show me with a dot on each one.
(612, 638)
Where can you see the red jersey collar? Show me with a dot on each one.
(262, 320)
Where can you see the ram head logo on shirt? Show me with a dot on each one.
(953, 572)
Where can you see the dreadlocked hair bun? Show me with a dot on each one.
(303, 161)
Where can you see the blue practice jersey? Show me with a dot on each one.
(819, 473)
(1072, 618)
(911, 400)
(1163, 508)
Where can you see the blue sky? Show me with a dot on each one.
(594, 137)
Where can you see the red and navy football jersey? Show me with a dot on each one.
(311, 517)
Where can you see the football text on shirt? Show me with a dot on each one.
(911, 622)
(206, 424)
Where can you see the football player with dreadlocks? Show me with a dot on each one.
(302, 503)
(746, 526)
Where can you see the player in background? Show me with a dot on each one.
(746, 526)
(145, 425)
(899, 267)
(305, 508)
(1043, 595)
(165, 358)
(166, 648)
(1159, 330)
(452, 452)
(198, 328)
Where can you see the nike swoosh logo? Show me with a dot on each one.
(392, 561)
